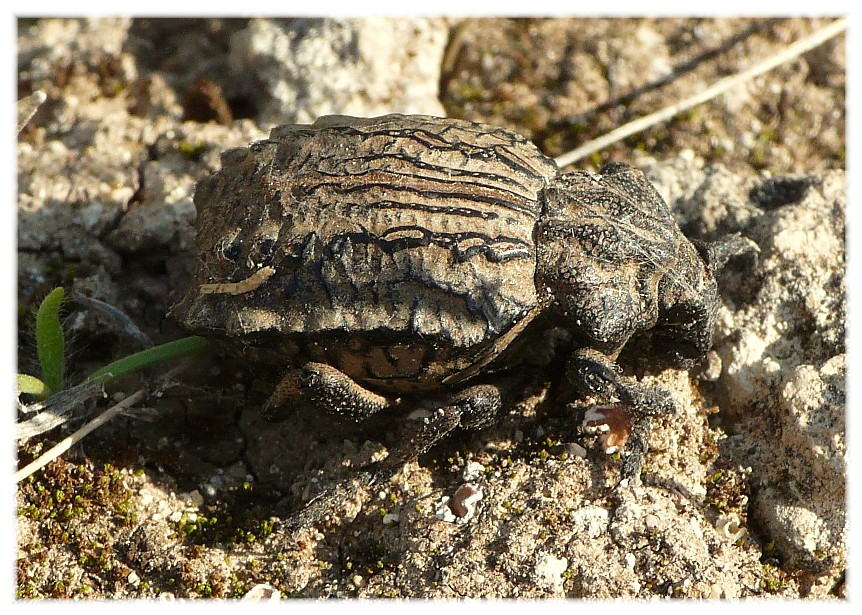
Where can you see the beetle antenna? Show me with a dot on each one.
(716, 253)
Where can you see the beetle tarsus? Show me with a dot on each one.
(635, 451)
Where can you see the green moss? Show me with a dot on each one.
(27, 591)
(579, 128)
(689, 115)
(757, 158)
(773, 579)
(468, 92)
(266, 527)
(528, 117)
(217, 523)
(191, 151)
(768, 135)
(63, 498)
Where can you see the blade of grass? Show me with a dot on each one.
(164, 352)
(33, 386)
(50, 345)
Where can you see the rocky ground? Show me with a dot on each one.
(743, 492)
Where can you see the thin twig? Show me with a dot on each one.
(67, 443)
(97, 422)
(640, 124)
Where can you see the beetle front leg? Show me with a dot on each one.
(593, 373)
(627, 417)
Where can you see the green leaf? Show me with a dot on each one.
(165, 352)
(33, 386)
(50, 345)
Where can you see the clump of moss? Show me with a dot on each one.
(82, 509)
(238, 518)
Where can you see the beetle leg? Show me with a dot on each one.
(329, 389)
(478, 405)
(473, 408)
(593, 373)
(636, 449)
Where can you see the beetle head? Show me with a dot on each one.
(683, 331)
(689, 300)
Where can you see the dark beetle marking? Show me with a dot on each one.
(427, 208)
(401, 238)
(506, 201)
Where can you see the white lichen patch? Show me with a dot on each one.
(473, 471)
(549, 571)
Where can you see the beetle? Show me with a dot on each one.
(382, 263)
